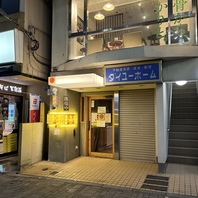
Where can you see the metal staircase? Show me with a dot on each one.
(183, 136)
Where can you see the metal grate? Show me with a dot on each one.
(153, 182)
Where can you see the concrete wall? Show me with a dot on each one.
(37, 20)
(185, 69)
(64, 145)
(60, 40)
(30, 144)
(39, 89)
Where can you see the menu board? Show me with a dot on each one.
(61, 119)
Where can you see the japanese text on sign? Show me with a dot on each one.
(137, 73)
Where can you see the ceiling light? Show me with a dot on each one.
(181, 82)
(99, 16)
(139, 4)
(108, 6)
(144, 17)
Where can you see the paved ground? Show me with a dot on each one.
(183, 179)
(95, 177)
(21, 186)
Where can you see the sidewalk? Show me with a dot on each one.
(182, 179)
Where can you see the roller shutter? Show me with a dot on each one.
(137, 125)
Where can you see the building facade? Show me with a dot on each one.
(113, 66)
(25, 56)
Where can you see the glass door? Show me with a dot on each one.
(101, 137)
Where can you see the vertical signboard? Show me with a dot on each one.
(34, 108)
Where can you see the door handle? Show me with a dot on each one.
(89, 127)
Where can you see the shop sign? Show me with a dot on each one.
(10, 88)
(136, 73)
(34, 108)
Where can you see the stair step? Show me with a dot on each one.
(184, 121)
(183, 151)
(183, 143)
(186, 86)
(184, 95)
(183, 135)
(185, 103)
(184, 128)
(182, 160)
(177, 101)
(184, 116)
(184, 109)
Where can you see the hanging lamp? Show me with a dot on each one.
(108, 6)
(99, 16)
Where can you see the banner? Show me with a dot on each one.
(34, 108)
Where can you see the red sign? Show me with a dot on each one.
(34, 108)
(34, 115)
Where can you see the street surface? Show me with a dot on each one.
(18, 186)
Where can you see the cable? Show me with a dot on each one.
(42, 63)
(29, 34)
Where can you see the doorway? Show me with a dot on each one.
(101, 130)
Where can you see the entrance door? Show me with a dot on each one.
(101, 137)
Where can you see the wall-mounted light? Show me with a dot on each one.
(99, 16)
(108, 6)
(181, 82)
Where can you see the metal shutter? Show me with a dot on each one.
(137, 125)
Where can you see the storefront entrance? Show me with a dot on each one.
(101, 136)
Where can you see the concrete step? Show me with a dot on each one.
(183, 143)
(183, 102)
(184, 128)
(188, 86)
(184, 121)
(184, 116)
(185, 95)
(183, 151)
(184, 110)
(183, 135)
(182, 160)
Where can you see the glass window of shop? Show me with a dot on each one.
(10, 117)
(161, 22)
(77, 16)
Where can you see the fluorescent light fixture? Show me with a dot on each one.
(181, 82)
(99, 16)
(108, 6)
(76, 81)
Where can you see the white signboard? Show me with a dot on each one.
(101, 109)
(11, 46)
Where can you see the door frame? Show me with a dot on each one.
(100, 154)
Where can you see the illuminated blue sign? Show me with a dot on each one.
(133, 73)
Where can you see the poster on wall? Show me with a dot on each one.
(34, 108)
